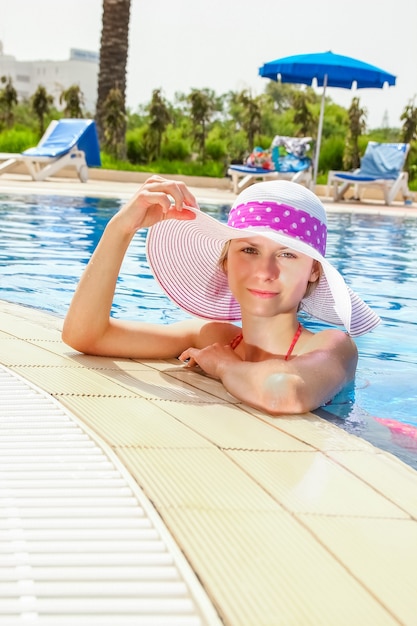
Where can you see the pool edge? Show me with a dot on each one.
(379, 487)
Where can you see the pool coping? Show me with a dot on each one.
(283, 520)
(119, 187)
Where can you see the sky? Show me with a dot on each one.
(178, 45)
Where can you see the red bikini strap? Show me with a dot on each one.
(236, 341)
(294, 341)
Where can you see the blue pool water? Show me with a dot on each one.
(45, 243)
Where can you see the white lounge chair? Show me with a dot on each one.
(65, 142)
(381, 166)
(294, 165)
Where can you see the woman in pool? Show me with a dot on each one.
(263, 267)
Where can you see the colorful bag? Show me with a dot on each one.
(260, 158)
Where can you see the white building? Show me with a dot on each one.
(81, 69)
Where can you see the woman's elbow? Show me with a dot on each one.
(73, 342)
(77, 340)
(285, 394)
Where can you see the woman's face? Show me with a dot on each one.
(266, 278)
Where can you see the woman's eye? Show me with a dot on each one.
(287, 255)
(249, 250)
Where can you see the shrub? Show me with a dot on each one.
(284, 124)
(135, 145)
(263, 141)
(412, 165)
(188, 168)
(216, 149)
(237, 147)
(175, 148)
(17, 140)
(331, 154)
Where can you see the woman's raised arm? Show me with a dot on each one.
(88, 326)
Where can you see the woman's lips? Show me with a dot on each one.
(263, 294)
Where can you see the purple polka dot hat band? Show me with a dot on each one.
(282, 218)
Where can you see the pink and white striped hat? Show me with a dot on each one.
(184, 254)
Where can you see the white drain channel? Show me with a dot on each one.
(80, 544)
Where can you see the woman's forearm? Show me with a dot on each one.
(297, 386)
(274, 386)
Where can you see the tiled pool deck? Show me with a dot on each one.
(287, 521)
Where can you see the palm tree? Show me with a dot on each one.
(8, 100)
(357, 126)
(409, 119)
(113, 57)
(159, 118)
(73, 98)
(409, 134)
(114, 125)
(303, 117)
(41, 102)
(248, 111)
(202, 104)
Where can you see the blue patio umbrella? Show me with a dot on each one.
(329, 70)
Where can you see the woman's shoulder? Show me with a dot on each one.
(217, 332)
(330, 339)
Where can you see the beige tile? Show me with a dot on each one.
(57, 346)
(228, 426)
(263, 567)
(24, 329)
(200, 381)
(156, 385)
(198, 478)
(18, 352)
(160, 364)
(133, 422)
(309, 482)
(386, 474)
(194, 377)
(314, 430)
(14, 351)
(76, 359)
(380, 553)
(72, 381)
(31, 315)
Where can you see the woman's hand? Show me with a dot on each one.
(157, 199)
(213, 360)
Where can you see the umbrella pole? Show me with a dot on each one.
(319, 132)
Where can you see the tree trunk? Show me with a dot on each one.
(113, 55)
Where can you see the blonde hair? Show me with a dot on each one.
(223, 256)
(312, 286)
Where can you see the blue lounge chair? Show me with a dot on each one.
(381, 166)
(66, 142)
(294, 165)
(244, 175)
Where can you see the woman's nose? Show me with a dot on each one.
(268, 268)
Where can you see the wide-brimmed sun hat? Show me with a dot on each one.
(183, 255)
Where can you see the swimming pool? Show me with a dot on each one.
(45, 242)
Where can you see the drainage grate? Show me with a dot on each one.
(80, 544)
